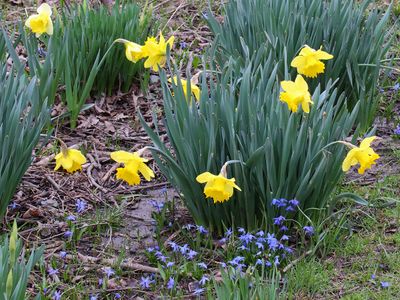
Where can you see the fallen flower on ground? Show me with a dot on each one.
(70, 159)
(133, 165)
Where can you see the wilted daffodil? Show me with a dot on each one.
(218, 187)
(41, 23)
(70, 159)
(156, 52)
(308, 62)
(295, 93)
(363, 155)
(133, 51)
(133, 164)
(195, 89)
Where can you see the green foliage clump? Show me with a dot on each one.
(239, 117)
(14, 270)
(353, 33)
(81, 49)
(23, 115)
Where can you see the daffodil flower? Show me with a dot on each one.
(194, 88)
(295, 93)
(133, 51)
(156, 52)
(70, 159)
(218, 187)
(308, 62)
(133, 164)
(363, 155)
(41, 23)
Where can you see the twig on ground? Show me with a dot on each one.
(127, 264)
(293, 263)
(53, 183)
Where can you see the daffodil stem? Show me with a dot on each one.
(141, 151)
(351, 146)
(105, 54)
(223, 169)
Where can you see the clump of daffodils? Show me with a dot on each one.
(154, 51)
(70, 159)
(41, 22)
(133, 165)
(309, 63)
(218, 187)
(363, 155)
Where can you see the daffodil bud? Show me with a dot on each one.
(9, 283)
(12, 247)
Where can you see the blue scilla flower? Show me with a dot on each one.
(202, 230)
(246, 238)
(260, 233)
(145, 282)
(385, 284)
(204, 280)
(198, 291)
(202, 265)
(183, 249)
(284, 237)
(309, 230)
(174, 246)
(272, 242)
(241, 230)
(80, 205)
(397, 130)
(283, 228)
(260, 245)
(191, 254)
(228, 232)
(279, 202)
(170, 264)
(57, 295)
(279, 220)
(171, 283)
(243, 248)
(236, 260)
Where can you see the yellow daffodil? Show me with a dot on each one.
(363, 155)
(133, 51)
(156, 52)
(41, 23)
(70, 159)
(218, 187)
(133, 164)
(195, 89)
(295, 93)
(308, 62)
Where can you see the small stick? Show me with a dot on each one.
(127, 264)
(289, 266)
(51, 180)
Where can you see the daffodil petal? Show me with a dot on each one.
(204, 177)
(122, 157)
